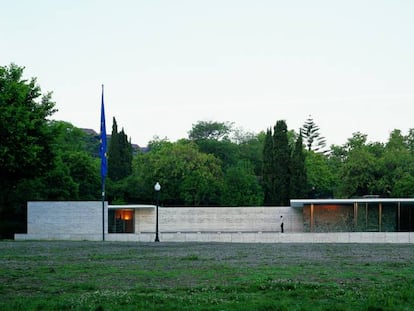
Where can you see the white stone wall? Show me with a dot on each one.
(69, 220)
(220, 219)
(271, 237)
(83, 220)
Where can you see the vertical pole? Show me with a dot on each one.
(311, 218)
(103, 213)
(399, 217)
(366, 216)
(355, 215)
(380, 217)
(102, 153)
(157, 238)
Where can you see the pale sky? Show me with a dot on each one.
(167, 64)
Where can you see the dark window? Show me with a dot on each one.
(407, 218)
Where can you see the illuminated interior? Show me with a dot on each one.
(121, 221)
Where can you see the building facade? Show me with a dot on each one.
(350, 220)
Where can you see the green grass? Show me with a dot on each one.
(205, 276)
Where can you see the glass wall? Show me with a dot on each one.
(406, 217)
(377, 217)
(367, 216)
(328, 217)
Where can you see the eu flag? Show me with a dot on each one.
(102, 152)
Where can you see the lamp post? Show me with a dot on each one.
(157, 188)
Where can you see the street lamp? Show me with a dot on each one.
(157, 188)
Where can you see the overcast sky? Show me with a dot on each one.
(168, 64)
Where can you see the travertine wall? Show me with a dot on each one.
(271, 237)
(83, 220)
(220, 219)
(65, 220)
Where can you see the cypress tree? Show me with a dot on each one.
(298, 178)
(126, 155)
(281, 164)
(119, 154)
(268, 174)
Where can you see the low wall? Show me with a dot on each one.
(270, 237)
(207, 219)
(64, 220)
(83, 220)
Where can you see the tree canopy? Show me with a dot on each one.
(25, 149)
(210, 130)
(26, 140)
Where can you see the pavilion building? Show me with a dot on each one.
(311, 220)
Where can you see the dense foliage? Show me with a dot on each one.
(25, 147)
(119, 154)
(284, 171)
(216, 165)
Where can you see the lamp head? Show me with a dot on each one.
(157, 186)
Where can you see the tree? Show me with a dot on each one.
(322, 175)
(119, 154)
(58, 184)
(312, 137)
(276, 165)
(225, 150)
(268, 169)
(84, 171)
(298, 178)
(25, 148)
(213, 138)
(187, 176)
(241, 187)
(67, 138)
(252, 150)
(374, 168)
(396, 167)
(360, 169)
(75, 171)
(410, 140)
(210, 130)
(282, 162)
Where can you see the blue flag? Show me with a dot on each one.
(102, 152)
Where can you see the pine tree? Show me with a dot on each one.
(312, 137)
(298, 178)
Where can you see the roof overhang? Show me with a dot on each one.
(301, 203)
(137, 206)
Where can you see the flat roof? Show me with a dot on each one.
(135, 206)
(301, 203)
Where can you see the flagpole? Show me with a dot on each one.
(103, 160)
(103, 211)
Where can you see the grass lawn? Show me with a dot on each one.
(205, 276)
